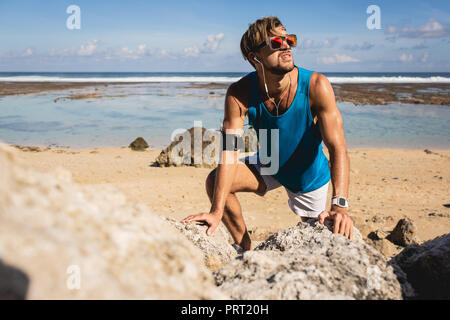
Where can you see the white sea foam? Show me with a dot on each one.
(399, 79)
(210, 79)
(120, 79)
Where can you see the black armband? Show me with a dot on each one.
(231, 142)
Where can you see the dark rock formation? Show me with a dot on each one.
(404, 233)
(139, 144)
(427, 267)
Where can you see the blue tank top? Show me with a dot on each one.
(303, 166)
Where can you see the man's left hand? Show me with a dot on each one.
(343, 224)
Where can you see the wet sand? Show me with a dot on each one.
(386, 185)
(373, 94)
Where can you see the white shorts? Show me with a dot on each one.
(309, 204)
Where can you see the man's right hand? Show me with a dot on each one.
(212, 219)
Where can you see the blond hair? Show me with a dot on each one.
(257, 32)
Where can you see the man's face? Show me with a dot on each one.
(277, 61)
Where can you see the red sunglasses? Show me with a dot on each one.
(276, 42)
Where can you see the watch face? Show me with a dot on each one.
(341, 201)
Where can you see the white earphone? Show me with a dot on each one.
(265, 84)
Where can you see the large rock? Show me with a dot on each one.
(308, 261)
(181, 151)
(200, 148)
(60, 240)
(217, 249)
(404, 233)
(427, 267)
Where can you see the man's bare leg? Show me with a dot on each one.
(246, 181)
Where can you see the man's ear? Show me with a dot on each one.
(251, 56)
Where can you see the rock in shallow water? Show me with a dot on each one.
(60, 240)
(308, 261)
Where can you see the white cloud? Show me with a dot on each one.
(391, 29)
(209, 46)
(165, 53)
(212, 43)
(193, 51)
(432, 29)
(424, 57)
(126, 53)
(88, 50)
(363, 46)
(336, 58)
(406, 57)
(314, 44)
(28, 52)
(62, 52)
(141, 49)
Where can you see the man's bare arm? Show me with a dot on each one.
(233, 123)
(331, 126)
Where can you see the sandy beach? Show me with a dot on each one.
(386, 185)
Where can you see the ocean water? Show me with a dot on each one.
(216, 77)
(155, 110)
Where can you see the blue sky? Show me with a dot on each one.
(190, 36)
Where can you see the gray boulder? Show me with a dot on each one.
(308, 261)
(199, 147)
(217, 249)
(427, 268)
(188, 149)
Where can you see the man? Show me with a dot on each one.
(301, 105)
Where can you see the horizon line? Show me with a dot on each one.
(177, 72)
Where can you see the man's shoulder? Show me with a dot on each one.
(320, 92)
(319, 85)
(318, 79)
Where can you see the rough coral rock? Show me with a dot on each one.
(308, 261)
(303, 235)
(60, 240)
(427, 267)
(217, 250)
(404, 233)
(181, 152)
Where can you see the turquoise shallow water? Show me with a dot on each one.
(155, 110)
